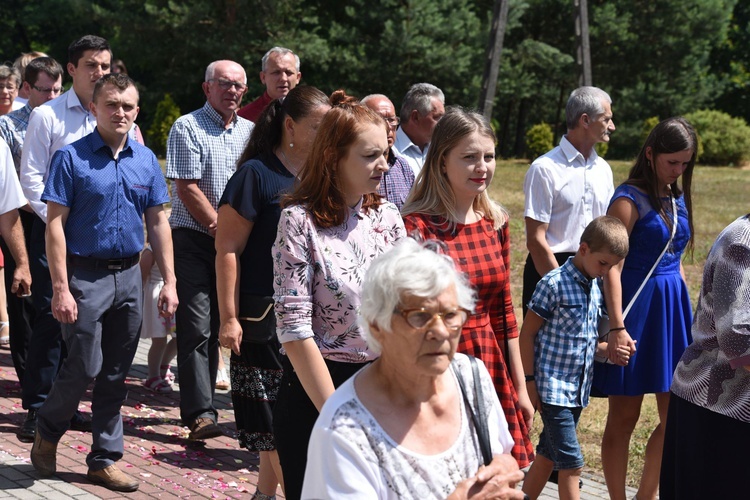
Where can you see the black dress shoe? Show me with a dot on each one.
(28, 429)
(80, 423)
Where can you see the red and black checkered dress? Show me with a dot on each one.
(484, 256)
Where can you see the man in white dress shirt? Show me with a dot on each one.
(10, 224)
(567, 187)
(53, 125)
(423, 106)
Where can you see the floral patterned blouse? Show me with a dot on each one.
(318, 274)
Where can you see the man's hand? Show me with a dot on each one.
(64, 307)
(167, 302)
(21, 281)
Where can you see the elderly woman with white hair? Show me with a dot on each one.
(402, 427)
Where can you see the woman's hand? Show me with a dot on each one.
(618, 342)
(230, 335)
(495, 481)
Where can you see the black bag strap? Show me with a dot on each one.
(483, 432)
(506, 354)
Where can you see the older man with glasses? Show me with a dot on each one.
(202, 152)
(399, 179)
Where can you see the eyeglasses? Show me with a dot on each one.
(392, 121)
(8, 86)
(47, 90)
(453, 319)
(228, 84)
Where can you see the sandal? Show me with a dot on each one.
(4, 338)
(222, 380)
(158, 385)
(168, 375)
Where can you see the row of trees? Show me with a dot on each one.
(655, 57)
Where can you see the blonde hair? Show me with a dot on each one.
(432, 194)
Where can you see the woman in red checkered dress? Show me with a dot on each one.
(450, 203)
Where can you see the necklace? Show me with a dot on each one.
(288, 164)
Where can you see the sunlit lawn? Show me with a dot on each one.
(720, 195)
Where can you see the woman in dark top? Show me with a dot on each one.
(248, 218)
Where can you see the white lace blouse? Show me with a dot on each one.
(350, 456)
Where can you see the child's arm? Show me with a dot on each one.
(532, 323)
(147, 262)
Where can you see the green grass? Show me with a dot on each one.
(720, 195)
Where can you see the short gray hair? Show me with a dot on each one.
(409, 268)
(370, 97)
(8, 72)
(211, 69)
(282, 51)
(419, 97)
(584, 100)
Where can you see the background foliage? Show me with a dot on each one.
(654, 57)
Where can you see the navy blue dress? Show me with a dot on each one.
(254, 192)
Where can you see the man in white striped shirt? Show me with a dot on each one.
(567, 187)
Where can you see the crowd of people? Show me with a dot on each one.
(353, 262)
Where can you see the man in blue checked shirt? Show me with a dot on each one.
(558, 341)
(202, 152)
(98, 191)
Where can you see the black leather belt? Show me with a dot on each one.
(104, 264)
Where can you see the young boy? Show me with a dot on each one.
(558, 341)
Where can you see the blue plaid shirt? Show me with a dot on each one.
(397, 182)
(199, 147)
(13, 129)
(106, 197)
(570, 305)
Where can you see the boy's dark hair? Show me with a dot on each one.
(607, 234)
(88, 42)
(45, 65)
(119, 80)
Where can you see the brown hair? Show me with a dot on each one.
(120, 80)
(299, 103)
(319, 188)
(607, 234)
(669, 136)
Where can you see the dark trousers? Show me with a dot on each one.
(101, 346)
(294, 417)
(20, 309)
(197, 322)
(46, 348)
(531, 277)
(704, 454)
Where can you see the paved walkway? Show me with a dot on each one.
(157, 451)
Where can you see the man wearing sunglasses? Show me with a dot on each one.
(202, 152)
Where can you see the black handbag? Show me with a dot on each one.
(257, 319)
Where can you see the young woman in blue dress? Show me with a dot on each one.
(657, 327)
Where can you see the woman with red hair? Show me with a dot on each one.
(332, 226)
